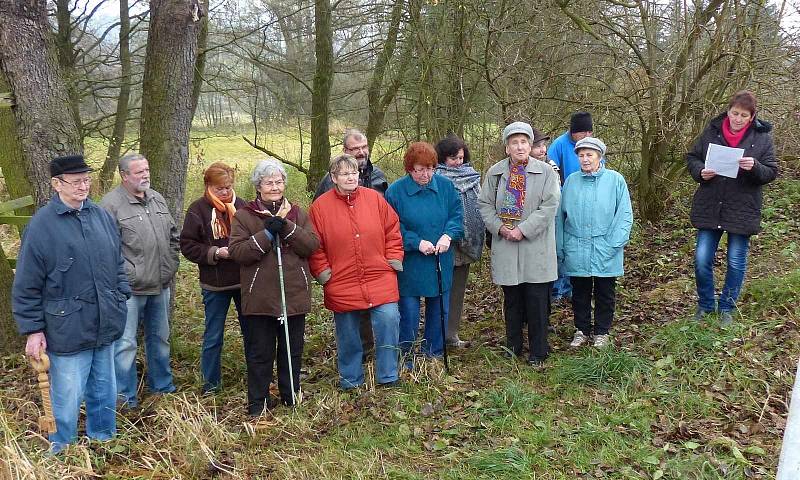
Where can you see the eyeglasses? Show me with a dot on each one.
(358, 148)
(77, 183)
(420, 171)
(276, 183)
(347, 174)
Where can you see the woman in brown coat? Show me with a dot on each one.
(268, 219)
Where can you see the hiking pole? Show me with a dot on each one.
(441, 311)
(284, 315)
(47, 423)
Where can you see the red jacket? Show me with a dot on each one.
(359, 233)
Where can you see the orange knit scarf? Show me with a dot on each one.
(221, 214)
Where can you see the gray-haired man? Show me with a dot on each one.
(150, 247)
(355, 143)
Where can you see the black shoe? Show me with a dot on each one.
(536, 363)
(258, 409)
(392, 384)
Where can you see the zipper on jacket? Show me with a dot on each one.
(305, 277)
(250, 290)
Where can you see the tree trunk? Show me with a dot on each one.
(320, 97)
(12, 162)
(167, 95)
(45, 126)
(200, 63)
(66, 60)
(10, 340)
(121, 117)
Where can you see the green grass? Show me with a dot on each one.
(669, 399)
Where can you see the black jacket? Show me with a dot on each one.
(732, 204)
(199, 246)
(370, 177)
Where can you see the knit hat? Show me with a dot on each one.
(68, 164)
(517, 127)
(580, 122)
(593, 143)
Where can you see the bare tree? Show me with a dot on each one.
(167, 98)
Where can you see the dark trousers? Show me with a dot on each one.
(527, 302)
(262, 334)
(602, 289)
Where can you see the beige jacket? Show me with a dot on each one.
(532, 260)
(149, 238)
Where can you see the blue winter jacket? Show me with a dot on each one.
(593, 224)
(562, 151)
(425, 214)
(70, 281)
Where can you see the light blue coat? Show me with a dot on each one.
(593, 224)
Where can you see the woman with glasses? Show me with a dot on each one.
(257, 228)
(360, 250)
(204, 241)
(431, 217)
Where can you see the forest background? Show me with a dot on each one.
(189, 82)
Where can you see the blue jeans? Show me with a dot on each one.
(562, 288)
(86, 375)
(153, 311)
(707, 243)
(385, 327)
(432, 340)
(216, 309)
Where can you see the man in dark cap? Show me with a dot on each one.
(69, 298)
(562, 152)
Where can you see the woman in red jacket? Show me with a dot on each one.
(360, 251)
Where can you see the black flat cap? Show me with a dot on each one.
(68, 164)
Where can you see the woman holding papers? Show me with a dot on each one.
(728, 201)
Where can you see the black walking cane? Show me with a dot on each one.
(441, 311)
(284, 317)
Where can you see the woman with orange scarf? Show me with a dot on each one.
(204, 241)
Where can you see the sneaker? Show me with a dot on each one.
(579, 339)
(393, 384)
(699, 314)
(601, 341)
(725, 319)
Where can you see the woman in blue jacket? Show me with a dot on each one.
(592, 227)
(431, 217)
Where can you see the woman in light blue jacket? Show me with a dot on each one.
(592, 227)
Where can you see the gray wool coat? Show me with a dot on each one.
(532, 260)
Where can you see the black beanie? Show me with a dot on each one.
(580, 122)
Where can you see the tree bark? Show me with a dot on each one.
(66, 60)
(44, 123)
(167, 95)
(320, 97)
(10, 340)
(12, 162)
(123, 99)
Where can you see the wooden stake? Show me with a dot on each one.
(47, 423)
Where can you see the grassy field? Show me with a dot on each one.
(671, 399)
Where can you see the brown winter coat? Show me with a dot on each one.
(252, 249)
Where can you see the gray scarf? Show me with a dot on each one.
(468, 183)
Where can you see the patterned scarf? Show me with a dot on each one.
(468, 183)
(221, 214)
(514, 197)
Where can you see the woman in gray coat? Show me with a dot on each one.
(518, 204)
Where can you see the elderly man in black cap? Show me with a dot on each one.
(69, 298)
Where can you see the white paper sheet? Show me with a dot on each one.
(723, 160)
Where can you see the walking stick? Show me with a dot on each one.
(284, 317)
(441, 311)
(47, 423)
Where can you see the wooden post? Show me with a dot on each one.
(47, 423)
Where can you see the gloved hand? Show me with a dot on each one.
(274, 225)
